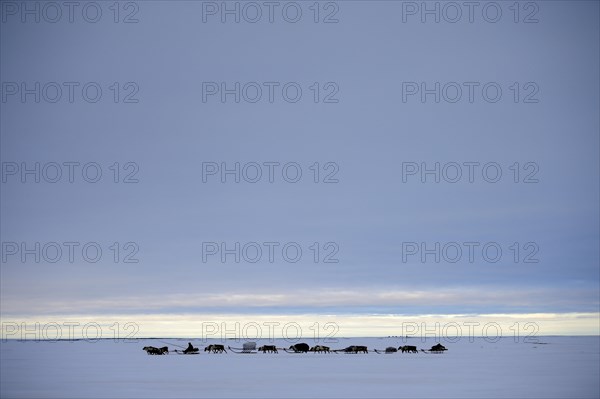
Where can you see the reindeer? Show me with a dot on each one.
(151, 350)
(408, 348)
(215, 349)
(354, 349)
(268, 348)
(319, 349)
(300, 348)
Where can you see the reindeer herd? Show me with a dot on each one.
(250, 347)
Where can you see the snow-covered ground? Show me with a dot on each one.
(554, 367)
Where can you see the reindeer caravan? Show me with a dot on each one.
(250, 347)
(439, 348)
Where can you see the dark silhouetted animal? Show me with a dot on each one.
(408, 348)
(268, 348)
(300, 348)
(354, 349)
(215, 349)
(151, 350)
(319, 349)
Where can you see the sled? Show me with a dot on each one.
(248, 347)
(387, 351)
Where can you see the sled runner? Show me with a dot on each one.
(186, 353)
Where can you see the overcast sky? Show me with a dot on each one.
(168, 117)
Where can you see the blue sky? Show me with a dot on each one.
(368, 134)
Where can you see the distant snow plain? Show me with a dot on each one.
(552, 367)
